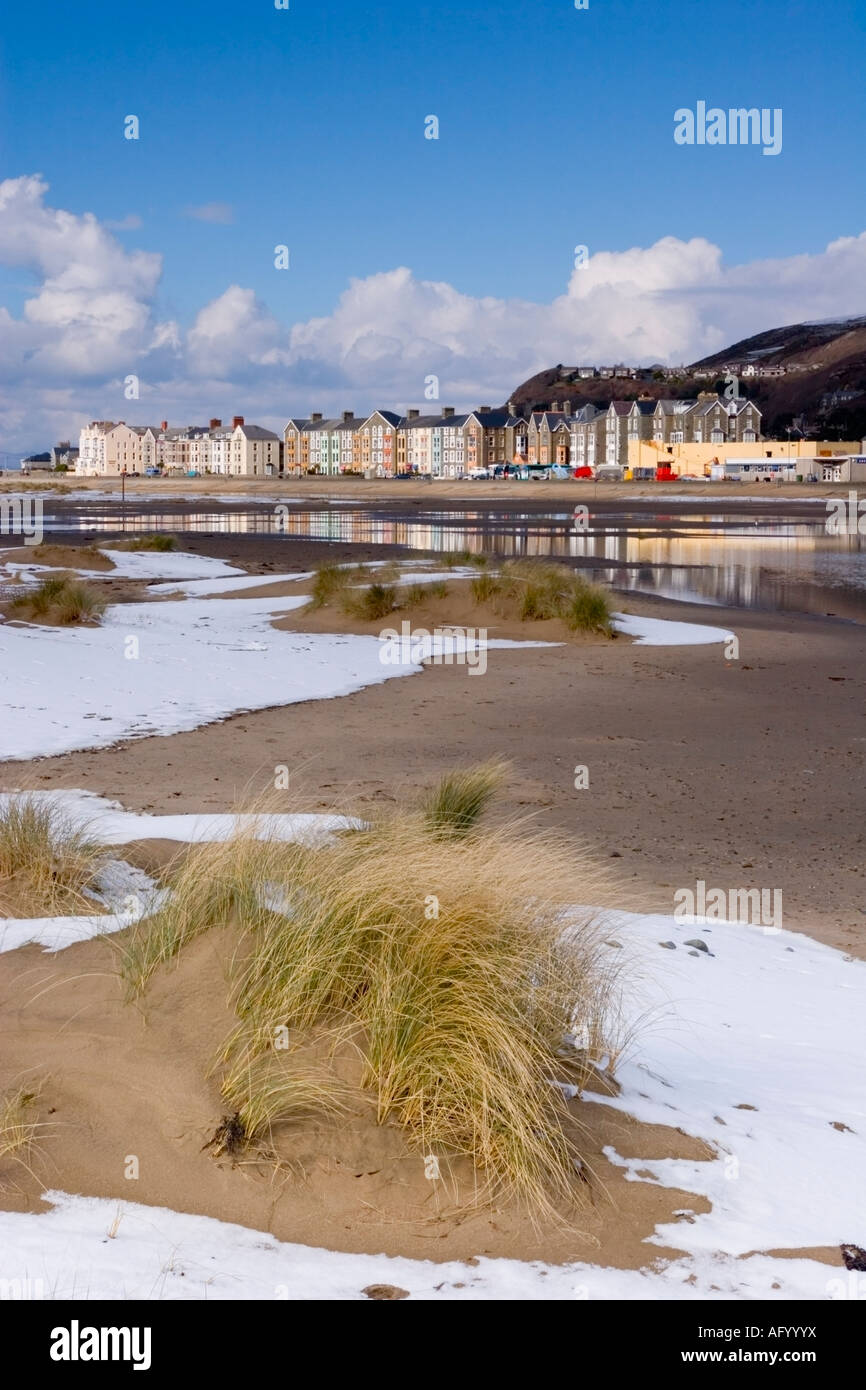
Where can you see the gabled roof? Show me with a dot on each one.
(620, 407)
(490, 419)
(420, 422)
(332, 423)
(389, 416)
(550, 418)
(256, 432)
(587, 414)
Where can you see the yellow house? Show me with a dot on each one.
(781, 457)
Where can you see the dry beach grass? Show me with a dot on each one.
(442, 954)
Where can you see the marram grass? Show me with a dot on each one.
(460, 798)
(47, 860)
(451, 963)
(60, 600)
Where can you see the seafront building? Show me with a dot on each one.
(643, 438)
(108, 449)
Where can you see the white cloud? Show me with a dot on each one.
(91, 320)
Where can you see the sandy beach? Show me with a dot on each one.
(698, 768)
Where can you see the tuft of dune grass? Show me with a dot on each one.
(60, 600)
(371, 603)
(456, 804)
(484, 587)
(452, 558)
(158, 541)
(47, 860)
(453, 964)
(330, 582)
(544, 591)
(446, 955)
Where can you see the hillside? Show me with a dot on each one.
(825, 391)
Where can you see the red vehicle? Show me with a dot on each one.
(665, 474)
(583, 472)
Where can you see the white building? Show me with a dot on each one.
(107, 449)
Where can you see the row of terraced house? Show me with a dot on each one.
(446, 444)
(450, 445)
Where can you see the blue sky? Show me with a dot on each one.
(555, 129)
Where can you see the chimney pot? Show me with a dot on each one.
(237, 420)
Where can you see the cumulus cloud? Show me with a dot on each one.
(91, 320)
(92, 306)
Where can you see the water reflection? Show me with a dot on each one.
(771, 562)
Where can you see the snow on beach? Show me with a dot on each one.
(92, 1248)
(141, 671)
(665, 632)
(136, 564)
(754, 1047)
(129, 894)
(161, 668)
(189, 663)
(109, 824)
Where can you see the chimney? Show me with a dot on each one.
(554, 405)
(511, 408)
(483, 407)
(164, 425)
(447, 412)
(237, 420)
(347, 416)
(316, 416)
(412, 414)
(214, 424)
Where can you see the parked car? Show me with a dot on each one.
(478, 473)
